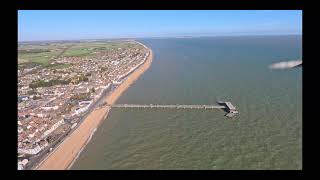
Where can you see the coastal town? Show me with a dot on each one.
(106, 89)
(55, 95)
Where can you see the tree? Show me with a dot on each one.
(30, 92)
(36, 97)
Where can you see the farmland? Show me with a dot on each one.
(31, 54)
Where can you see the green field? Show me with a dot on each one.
(88, 49)
(38, 54)
(41, 54)
(78, 52)
(40, 58)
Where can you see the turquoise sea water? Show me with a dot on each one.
(267, 134)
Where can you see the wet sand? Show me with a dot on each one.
(65, 154)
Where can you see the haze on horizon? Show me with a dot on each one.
(36, 25)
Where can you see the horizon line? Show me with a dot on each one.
(160, 37)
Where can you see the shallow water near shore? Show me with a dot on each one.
(267, 134)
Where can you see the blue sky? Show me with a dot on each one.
(75, 24)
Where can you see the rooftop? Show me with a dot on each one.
(230, 106)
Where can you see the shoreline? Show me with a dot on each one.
(67, 152)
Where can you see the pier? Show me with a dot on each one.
(226, 106)
(177, 106)
(230, 108)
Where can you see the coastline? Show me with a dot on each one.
(66, 153)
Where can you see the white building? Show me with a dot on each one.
(81, 110)
(24, 162)
(54, 127)
(35, 150)
(50, 108)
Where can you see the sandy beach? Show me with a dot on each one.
(65, 154)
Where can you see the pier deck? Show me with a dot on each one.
(226, 106)
(167, 106)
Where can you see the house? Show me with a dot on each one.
(52, 128)
(81, 90)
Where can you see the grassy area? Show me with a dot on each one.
(41, 54)
(31, 51)
(27, 65)
(78, 52)
(88, 48)
(21, 61)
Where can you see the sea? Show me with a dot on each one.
(266, 134)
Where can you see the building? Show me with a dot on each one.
(231, 108)
(54, 127)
